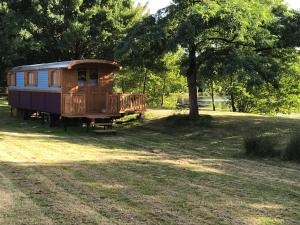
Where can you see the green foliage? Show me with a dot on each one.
(254, 94)
(159, 86)
(292, 151)
(260, 146)
(10, 40)
(143, 46)
(47, 31)
(238, 44)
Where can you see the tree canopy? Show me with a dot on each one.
(248, 38)
(49, 30)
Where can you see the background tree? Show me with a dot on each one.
(198, 27)
(158, 84)
(51, 30)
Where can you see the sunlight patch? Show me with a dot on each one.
(6, 201)
(193, 165)
(266, 206)
(99, 185)
(263, 220)
(14, 134)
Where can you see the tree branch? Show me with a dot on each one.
(238, 43)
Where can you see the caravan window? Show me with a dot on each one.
(54, 78)
(94, 77)
(11, 79)
(82, 78)
(31, 79)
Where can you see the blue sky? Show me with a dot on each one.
(155, 5)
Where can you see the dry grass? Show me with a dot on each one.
(155, 172)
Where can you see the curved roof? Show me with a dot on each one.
(65, 65)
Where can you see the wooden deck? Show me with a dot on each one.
(82, 105)
(126, 103)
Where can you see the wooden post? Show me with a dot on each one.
(107, 103)
(65, 122)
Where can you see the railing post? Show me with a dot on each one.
(119, 102)
(107, 103)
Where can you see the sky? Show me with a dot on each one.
(155, 5)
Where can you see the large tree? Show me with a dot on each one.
(201, 27)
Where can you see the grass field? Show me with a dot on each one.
(160, 171)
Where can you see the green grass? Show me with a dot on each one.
(163, 170)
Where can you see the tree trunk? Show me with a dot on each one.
(212, 95)
(232, 96)
(232, 102)
(192, 82)
(145, 83)
(163, 93)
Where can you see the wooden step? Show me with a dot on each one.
(103, 124)
(110, 131)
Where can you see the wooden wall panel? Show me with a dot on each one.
(95, 96)
(74, 104)
(69, 81)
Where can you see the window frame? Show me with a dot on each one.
(84, 82)
(96, 84)
(27, 80)
(51, 82)
(11, 79)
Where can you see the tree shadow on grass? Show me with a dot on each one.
(129, 139)
(146, 192)
(216, 137)
(186, 176)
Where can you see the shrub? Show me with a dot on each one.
(292, 151)
(260, 146)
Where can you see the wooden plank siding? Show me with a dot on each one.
(74, 104)
(92, 97)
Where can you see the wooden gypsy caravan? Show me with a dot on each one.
(80, 89)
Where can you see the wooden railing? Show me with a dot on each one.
(126, 103)
(3, 90)
(74, 104)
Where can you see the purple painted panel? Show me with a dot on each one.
(25, 100)
(53, 101)
(38, 101)
(13, 98)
